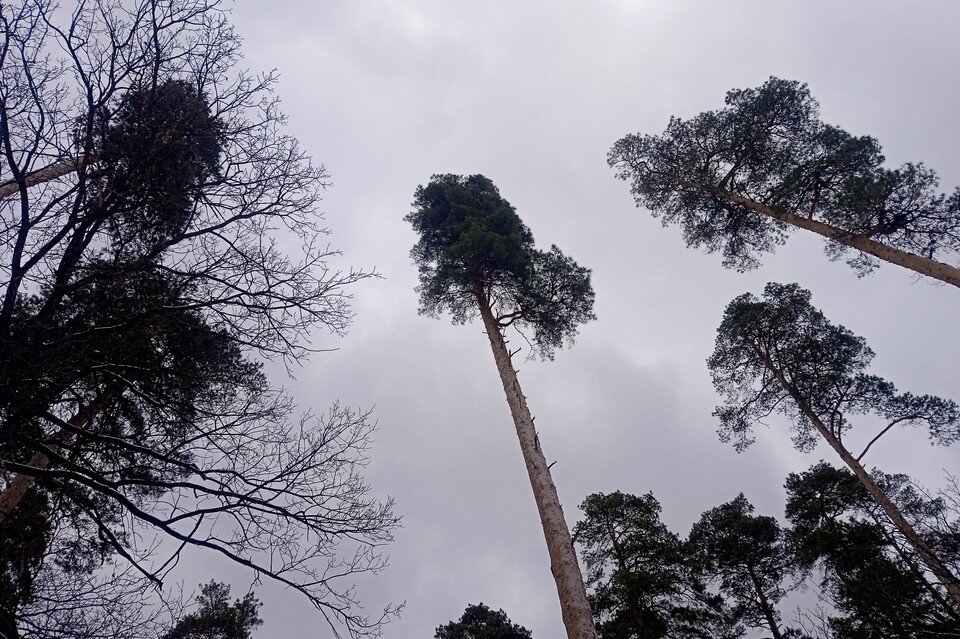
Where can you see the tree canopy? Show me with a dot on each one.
(781, 355)
(747, 555)
(217, 618)
(645, 581)
(778, 353)
(733, 179)
(472, 245)
(480, 622)
(875, 587)
(149, 195)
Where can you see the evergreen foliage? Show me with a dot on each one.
(867, 573)
(480, 622)
(779, 354)
(474, 249)
(645, 581)
(217, 618)
(769, 146)
(748, 557)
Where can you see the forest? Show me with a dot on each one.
(245, 343)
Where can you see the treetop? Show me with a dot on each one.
(769, 147)
(475, 250)
(780, 354)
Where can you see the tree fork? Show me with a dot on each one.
(575, 608)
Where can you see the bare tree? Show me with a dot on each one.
(159, 230)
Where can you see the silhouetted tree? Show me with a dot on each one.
(217, 618)
(868, 575)
(480, 622)
(738, 178)
(781, 355)
(476, 256)
(748, 556)
(645, 581)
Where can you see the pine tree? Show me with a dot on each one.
(779, 354)
(476, 257)
(736, 180)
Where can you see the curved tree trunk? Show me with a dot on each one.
(916, 263)
(21, 483)
(924, 552)
(577, 616)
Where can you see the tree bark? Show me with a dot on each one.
(916, 263)
(577, 616)
(21, 483)
(46, 174)
(924, 552)
(764, 604)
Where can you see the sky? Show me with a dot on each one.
(532, 94)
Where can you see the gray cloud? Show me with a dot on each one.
(532, 95)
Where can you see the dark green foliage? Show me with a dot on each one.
(780, 354)
(469, 236)
(480, 622)
(217, 618)
(747, 556)
(877, 589)
(474, 249)
(769, 145)
(156, 152)
(645, 581)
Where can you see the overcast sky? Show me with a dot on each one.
(532, 95)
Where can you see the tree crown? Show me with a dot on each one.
(217, 618)
(478, 621)
(874, 587)
(645, 581)
(744, 553)
(780, 354)
(474, 249)
(769, 145)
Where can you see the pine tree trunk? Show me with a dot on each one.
(46, 174)
(21, 483)
(924, 552)
(916, 263)
(765, 605)
(577, 616)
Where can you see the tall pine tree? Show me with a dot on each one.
(476, 257)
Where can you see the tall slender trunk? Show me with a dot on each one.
(924, 552)
(916, 263)
(45, 174)
(765, 605)
(577, 616)
(21, 483)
